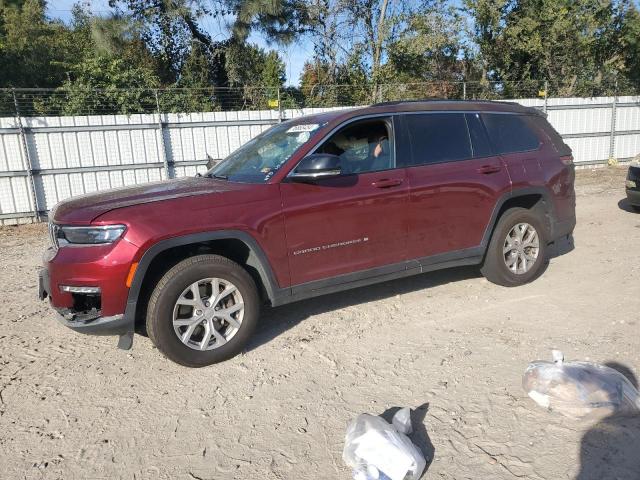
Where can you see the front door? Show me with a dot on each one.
(353, 222)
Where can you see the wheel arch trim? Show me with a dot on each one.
(261, 264)
(514, 194)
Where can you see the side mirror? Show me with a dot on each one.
(316, 167)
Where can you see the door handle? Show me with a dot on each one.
(488, 169)
(387, 182)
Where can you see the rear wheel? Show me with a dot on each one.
(203, 311)
(517, 251)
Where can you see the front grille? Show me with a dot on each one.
(53, 235)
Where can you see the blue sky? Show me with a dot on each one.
(294, 55)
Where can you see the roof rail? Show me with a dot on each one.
(436, 99)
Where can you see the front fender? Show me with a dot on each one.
(258, 260)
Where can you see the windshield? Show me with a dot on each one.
(261, 157)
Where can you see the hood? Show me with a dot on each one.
(85, 208)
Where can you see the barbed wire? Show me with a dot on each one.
(30, 102)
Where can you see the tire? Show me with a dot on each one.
(495, 268)
(166, 309)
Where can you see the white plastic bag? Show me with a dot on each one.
(579, 389)
(376, 450)
(402, 421)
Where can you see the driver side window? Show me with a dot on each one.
(363, 146)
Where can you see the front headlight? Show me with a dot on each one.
(89, 235)
(630, 184)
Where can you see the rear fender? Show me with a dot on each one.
(550, 216)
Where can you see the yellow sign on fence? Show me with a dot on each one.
(273, 103)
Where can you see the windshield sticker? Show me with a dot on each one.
(304, 127)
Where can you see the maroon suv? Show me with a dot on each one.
(311, 206)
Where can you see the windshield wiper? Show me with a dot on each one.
(218, 176)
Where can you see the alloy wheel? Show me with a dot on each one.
(520, 248)
(208, 313)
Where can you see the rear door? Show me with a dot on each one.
(354, 222)
(455, 181)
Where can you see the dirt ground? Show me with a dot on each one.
(449, 344)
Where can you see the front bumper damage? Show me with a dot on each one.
(90, 322)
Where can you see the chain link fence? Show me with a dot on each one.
(81, 101)
(78, 101)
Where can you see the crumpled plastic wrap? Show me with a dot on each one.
(579, 389)
(376, 450)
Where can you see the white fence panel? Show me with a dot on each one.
(75, 155)
(578, 121)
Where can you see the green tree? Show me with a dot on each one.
(279, 20)
(243, 64)
(428, 55)
(33, 51)
(326, 85)
(630, 44)
(193, 92)
(254, 75)
(171, 25)
(352, 37)
(103, 84)
(375, 25)
(114, 72)
(273, 71)
(168, 28)
(573, 44)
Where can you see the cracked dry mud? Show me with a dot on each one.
(74, 406)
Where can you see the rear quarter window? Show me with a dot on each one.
(551, 135)
(510, 133)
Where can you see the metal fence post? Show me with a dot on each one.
(163, 146)
(546, 95)
(612, 138)
(27, 156)
(464, 90)
(279, 106)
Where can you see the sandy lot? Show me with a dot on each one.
(449, 344)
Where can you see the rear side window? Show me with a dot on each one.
(479, 140)
(438, 137)
(510, 133)
(554, 137)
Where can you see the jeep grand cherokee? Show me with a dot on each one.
(311, 206)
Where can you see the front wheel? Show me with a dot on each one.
(517, 251)
(203, 311)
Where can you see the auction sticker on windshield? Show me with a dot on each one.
(304, 127)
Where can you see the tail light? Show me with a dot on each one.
(567, 159)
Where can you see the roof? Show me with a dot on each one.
(418, 106)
